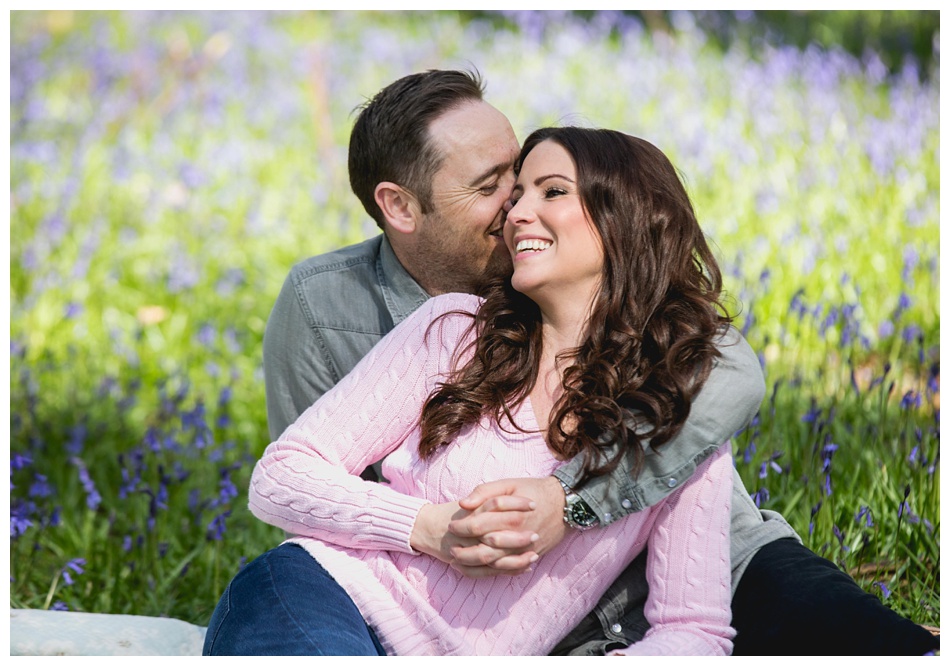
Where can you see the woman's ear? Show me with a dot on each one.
(399, 206)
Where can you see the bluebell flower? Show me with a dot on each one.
(93, 499)
(910, 333)
(19, 460)
(884, 591)
(812, 414)
(912, 457)
(217, 526)
(840, 537)
(19, 521)
(910, 399)
(811, 522)
(76, 565)
(207, 335)
(864, 512)
(40, 486)
(77, 437)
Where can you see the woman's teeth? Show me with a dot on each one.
(532, 244)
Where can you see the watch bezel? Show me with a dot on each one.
(577, 513)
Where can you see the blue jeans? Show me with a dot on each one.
(285, 603)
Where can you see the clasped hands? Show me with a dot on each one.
(502, 527)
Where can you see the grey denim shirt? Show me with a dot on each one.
(333, 308)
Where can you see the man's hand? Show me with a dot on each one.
(509, 550)
(492, 522)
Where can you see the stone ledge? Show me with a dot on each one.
(50, 633)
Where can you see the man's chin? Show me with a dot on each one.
(499, 264)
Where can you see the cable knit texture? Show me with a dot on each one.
(307, 484)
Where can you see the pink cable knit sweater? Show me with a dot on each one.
(307, 484)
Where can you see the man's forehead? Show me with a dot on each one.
(476, 131)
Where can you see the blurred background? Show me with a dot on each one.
(168, 168)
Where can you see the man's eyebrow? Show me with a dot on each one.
(488, 173)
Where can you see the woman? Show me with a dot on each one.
(612, 311)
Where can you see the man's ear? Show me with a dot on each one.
(399, 206)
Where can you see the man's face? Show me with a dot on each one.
(459, 242)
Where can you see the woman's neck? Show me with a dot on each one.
(561, 330)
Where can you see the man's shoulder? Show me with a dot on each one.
(358, 258)
(341, 290)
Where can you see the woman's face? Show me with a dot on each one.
(555, 249)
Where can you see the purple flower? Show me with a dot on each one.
(884, 591)
(93, 499)
(812, 414)
(840, 537)
(76, 565)
(20, 518)
(864, 512)
(217, 526)
(904, 508)
(207, 335)
(40, 486)
(77, 436)
(811, 523)
(19, 461)
(914, 452)
(760, 496)
(59, 606)
(910, 399)
(911, 333)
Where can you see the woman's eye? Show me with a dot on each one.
(552, 192)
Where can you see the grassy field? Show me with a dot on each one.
(168, 169)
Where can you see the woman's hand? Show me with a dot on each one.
(490, 521)
(506, 549)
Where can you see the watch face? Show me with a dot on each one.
(582, 515)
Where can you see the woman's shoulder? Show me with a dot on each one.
(467, 303)
(449, 314)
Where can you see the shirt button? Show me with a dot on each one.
(616, 628)
(608, 517)
(626, 504)
(671, 483)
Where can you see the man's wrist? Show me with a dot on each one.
(577, 513)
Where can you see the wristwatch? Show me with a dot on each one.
(577, 513)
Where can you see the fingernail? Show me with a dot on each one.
(534, 558)
(532, 506)
(535, 537)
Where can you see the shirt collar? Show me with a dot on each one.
(402, 293)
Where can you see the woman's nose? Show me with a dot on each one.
(517, 211)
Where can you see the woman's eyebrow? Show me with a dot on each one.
(541, 179)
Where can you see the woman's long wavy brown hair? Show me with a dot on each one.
(650, 340)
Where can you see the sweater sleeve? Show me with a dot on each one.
(307, 481)
(688, 567)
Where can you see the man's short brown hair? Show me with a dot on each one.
(390, 140)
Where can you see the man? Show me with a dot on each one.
(432, 163)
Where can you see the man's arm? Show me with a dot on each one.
(726, 403)
(296, 370)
